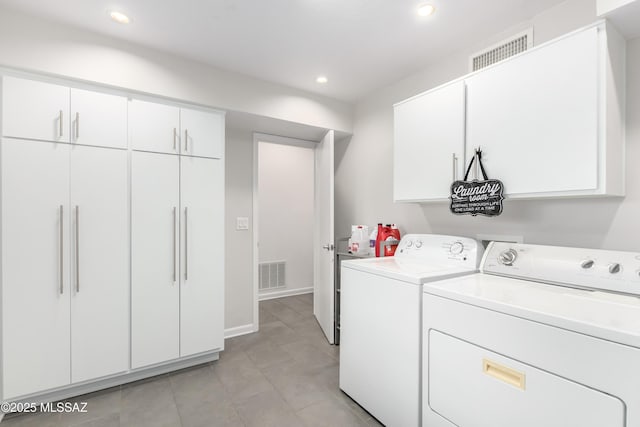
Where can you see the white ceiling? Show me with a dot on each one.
(360, 45)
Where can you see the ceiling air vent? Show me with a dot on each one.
(503, 50)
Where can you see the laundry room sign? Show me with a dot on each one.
(477, 197)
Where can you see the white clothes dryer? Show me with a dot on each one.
(542, 336)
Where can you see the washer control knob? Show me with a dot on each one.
(507, 257)
(410, 243)
(614, 268)
(418, 244)
(456, 248)
(587, 263)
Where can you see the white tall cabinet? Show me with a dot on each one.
(65, 264)
(112, 258)
(201, 284)
(177, 243)
(35, 267)
(155, 291)
(99, 213)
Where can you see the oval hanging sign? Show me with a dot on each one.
(477, 197)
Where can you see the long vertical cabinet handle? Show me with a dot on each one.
(60, 125)
(77, 248)
(61, 250)
(175, 136)
(186, 245)
(174, 245)
(186, 139)
(77, 125)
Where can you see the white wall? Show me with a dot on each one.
(285, 209)
(35, 44)
(239, 246)
(364, 164)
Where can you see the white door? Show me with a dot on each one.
(428, 148)
(536, 118)
(100, 262)
(202, 255)
(154, 127)
(35, 110)
(35, 267)
(323, 249)
(98, 119)
(155, 294)
(202, 133)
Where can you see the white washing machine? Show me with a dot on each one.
(381, 310)
(542, 336)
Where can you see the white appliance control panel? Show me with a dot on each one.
(577, 267)
(433, 247)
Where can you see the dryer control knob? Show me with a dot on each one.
(418, 244)
(456, 248)
(410, 243)
(614, 268)
(587, 263)
(507, 257)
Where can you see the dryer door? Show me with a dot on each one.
(471, 387)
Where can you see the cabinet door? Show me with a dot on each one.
(202, 133)
(202, 272)
(100, 260)
(154, 127)
(35, 110)
(429, 144)
(98, 119)
(536, 118)
(155, 298)
(35, 267)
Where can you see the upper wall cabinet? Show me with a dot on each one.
(50, 112)
(154, 127)
(536, 118)
(429, 144)
(98, 119)
(163, 128)
(35, 110)
(202, 132)
(549, 122)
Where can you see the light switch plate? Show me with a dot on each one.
(242, 223)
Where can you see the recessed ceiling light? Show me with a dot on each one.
(322, 79)
(426, 9)
(119, 17)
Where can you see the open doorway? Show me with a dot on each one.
(293, 224)
(283, 217)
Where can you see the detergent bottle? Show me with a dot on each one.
(379, 238)
(393, 233)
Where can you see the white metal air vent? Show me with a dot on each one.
(271, 275)
(503, 50)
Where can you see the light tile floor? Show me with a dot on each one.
(284, 375)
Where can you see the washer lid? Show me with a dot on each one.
(605, 315)
(406, 270)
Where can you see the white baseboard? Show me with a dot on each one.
(285, 293)
(239, 330)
